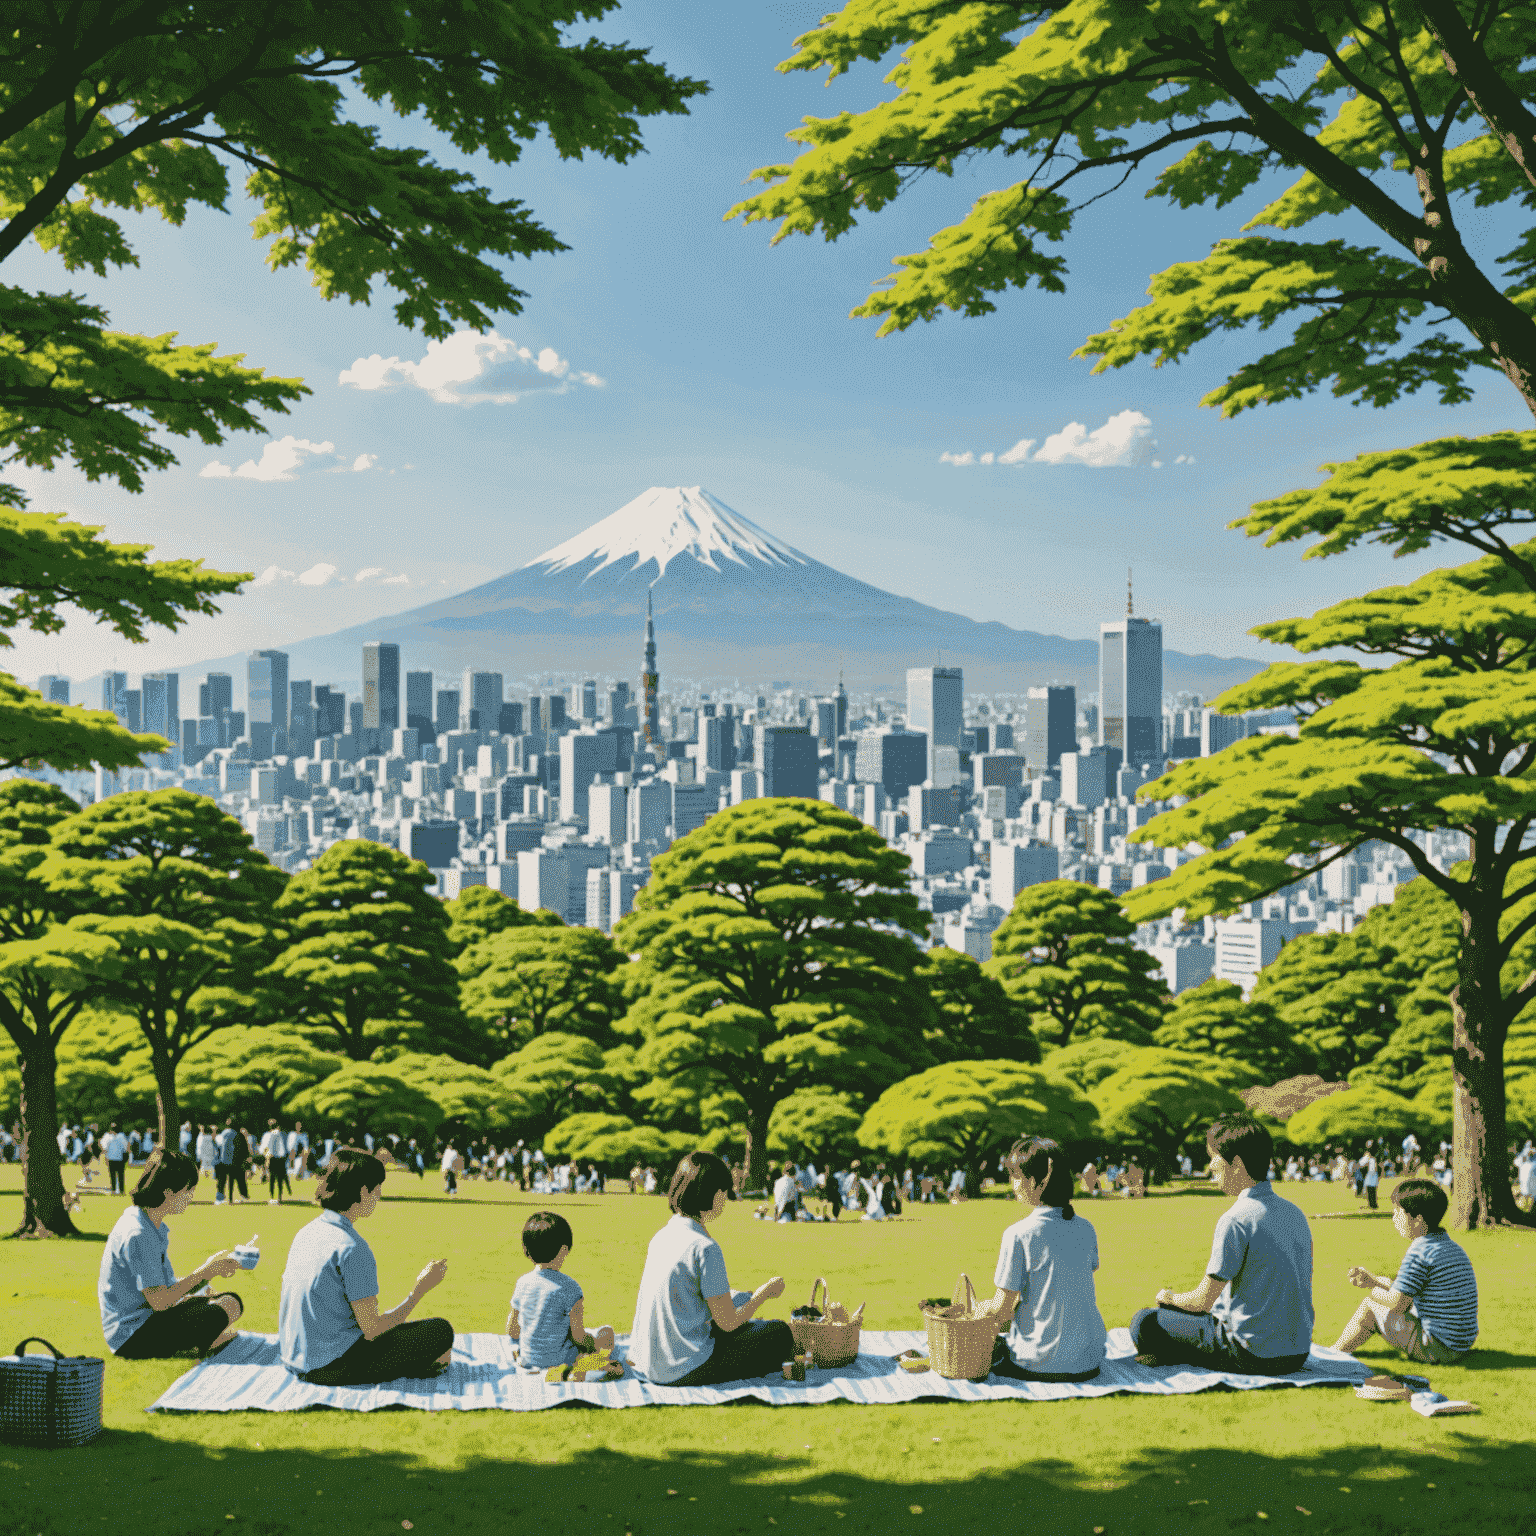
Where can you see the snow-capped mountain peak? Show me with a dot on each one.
(664, 522)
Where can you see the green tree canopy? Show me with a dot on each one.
(366, 959)
(815, 1122)
(971, 1110)
(252, 1073)
(478, 913)
(553, 1076)
(1405, 112)
(466, 1094)
(1356, 1116)
(1160, 1102)
(1442, 736)
(977, 1019)
(106, 109)
(775, 952)
(614, 1141)
(363, 1095)
(185, 899)
(529, 979)
(49, 969)
(1064, 954)
(1086, 1062)
(1213, 1020)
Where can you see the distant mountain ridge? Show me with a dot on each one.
(732, 601)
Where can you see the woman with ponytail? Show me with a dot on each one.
(1044, 1275)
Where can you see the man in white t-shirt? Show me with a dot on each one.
(115, 1147)
(274, 1147)
(786, 1194)
(298, 1149)
(452, 1166)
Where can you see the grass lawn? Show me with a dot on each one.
(1281, 1459)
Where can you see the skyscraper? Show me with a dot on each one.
(1050, 726)
(936, 707)
(54, 688)
(1131, 686)
(418, 704)
(588, 701)
(650, 683)
(381, 687)
(160, 693)
(330, 711)
(480, 701)
(266, 702)
(447, 710)
(215, 695)
(114, 687)
(787, 759)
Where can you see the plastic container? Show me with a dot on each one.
(247, 1255)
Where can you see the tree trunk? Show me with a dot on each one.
(165, 1097)
(756, 1149)
(1481, 1195)
(42, 1210)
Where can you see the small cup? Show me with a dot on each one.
(247, 1257)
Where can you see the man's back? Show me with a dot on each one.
(1262, 1247)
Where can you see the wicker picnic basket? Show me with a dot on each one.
(829, 1344)
(960, 1342)
(53, 1402)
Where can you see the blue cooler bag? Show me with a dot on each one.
(50, 1402)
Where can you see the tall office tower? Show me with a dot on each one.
(583, 755)
(447, 711)
(840, 700)
(787, 758)
(301, 729)
(895, 759)
(131, 715)
(330, 711)
(588, 701)
(266, 702)
(381, 687)
(160, 694)
(299, 692)
(113, 686)
(936, 706)
(620, 705)
(509, 720)
(279, 660)
(826, 722)
(354, 717)
(650, 684)
(418, 704)
(480, 698)
(1050, 726)
(1131, 685)
(215, 695)
(54, 688)
(718, 736)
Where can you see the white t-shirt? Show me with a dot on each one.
(273, 1143)
(1372, 1175)
(116, 1147)
(1050, 1262)
(784, 1191)
(450, 1157)
(684, 1267)
(206, 1150)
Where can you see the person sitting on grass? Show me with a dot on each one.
(329, 1325)
(1044, 1276)
(146, 1312)
(1261, 1257)
(546, 1316)
(1430, 1311)
(688, 1330)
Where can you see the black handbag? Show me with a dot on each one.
(53, 1402)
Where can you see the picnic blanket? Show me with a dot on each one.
(248, 1374)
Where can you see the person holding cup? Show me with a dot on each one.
(146, 1312)
(330, 1329)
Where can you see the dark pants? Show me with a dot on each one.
(408, 1349)
(115, 1168)
(450, 1182)
(237, 1181)
(1003, 1365)
(277, 1178)
(191, 1324)
(1370, 1196)
(1187, 1338)
(757, 1348)
(221, 1173)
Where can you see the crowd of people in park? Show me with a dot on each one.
(1251, 1309)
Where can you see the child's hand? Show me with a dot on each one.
(1164, 1297)
(772, 1288)
(1362, 1278)
(434, 1274)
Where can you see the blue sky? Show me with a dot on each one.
(726, 363)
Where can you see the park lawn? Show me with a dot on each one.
(1280, 1459)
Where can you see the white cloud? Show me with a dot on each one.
(957, 458)
(272, 574)
(1125, 439)
(321, 575)
(397, 581)
(472, 369)
(1018, 453)
(364, 461)
(368, 572)
(278, 461)
(1185, 458)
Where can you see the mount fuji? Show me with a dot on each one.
(731, 601)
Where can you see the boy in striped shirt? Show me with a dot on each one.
(1430, 1311)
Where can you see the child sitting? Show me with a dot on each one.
(547, 1305)
(1430, 1311)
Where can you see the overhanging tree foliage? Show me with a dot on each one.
(1390, 110)
(1443, 736)
(533, 978)
(1160, 1101)
(775, 952)
(111, 106)
(1213, 1020)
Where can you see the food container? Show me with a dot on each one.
(247, 1255)
(795, 1367)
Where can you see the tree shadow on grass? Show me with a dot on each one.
(504, 1477)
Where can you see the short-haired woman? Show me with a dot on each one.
(146, 1312)
(330, 1329)
(688, 1330)
(1044, 1276)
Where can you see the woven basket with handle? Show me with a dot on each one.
(829, 1344)
(960, 1342)
(53, 1402)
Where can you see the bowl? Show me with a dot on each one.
(247, 1257)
